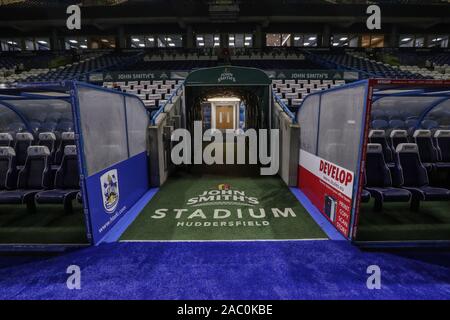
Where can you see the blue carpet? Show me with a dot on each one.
(226, 270)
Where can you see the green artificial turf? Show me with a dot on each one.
(270, 192)
(397, 222)
(48, 225)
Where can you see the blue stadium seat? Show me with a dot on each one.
(378, 115)
(429, 124)
(23, 141)
(379, 136)
(48, 139)
(67, 139)
(442, 138)
(33, 177)
(397, 137)
(380, 124)
(427, 152)
(67, 183)
(8, 172)
(379, 180)
(365, 195)
(6, 139)
(415, 176)
(397, 124)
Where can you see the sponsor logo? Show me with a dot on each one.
(110, 190)
(226, 76)
(224, 196)
(336, 173)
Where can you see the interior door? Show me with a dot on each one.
(224, 117)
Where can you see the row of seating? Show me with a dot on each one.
(413, 185)
(434, 149)
(368, 67)
(21, 141)
(292, 92)
(153, 93)
(36, 182)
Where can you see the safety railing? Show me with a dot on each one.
(169, 100)
(284, 106)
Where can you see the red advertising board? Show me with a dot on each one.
(329, 187)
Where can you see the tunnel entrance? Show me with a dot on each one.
(228, 97)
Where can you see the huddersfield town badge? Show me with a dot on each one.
(110, 190)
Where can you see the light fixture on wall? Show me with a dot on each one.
(224, 99)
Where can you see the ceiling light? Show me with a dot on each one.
(246, 43)
(73, 41)
(136, 40)
(406, 39)
(83, 46)
(42, 42)
(201, 44)
(231, 44)
(199, 38)
(335, 44)
(297, 38)
(343, 39)
(248, 38)
(224, 99)
(216, 44)
(171, 44)
(231, 38)
(105, 40)
(306, 44)
(216, 38)
(141, 45)
(312, 38)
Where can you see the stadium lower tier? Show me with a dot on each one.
(48, 225)
(398, 223)
(195, 206)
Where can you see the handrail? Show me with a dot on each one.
(162, 107)
(284, 107)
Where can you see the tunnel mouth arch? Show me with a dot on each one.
(252, 87)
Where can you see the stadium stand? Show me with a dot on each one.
(367, 67)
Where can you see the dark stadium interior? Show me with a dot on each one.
(363, 151)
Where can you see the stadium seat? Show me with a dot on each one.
(415, 176)
(6, 139)
(48, 139)
(379, 136)
(427, 151)
(67, 183)
(67, 139)
(380, 124)
(397, 137)
(32, 178)
(397, 124)
(379, 180)
(429, 124)
(8, 172)
(365, 195)
(23, 142)
(443, 145)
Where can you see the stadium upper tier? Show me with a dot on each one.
(56, 66)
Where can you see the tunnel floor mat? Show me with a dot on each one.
(48, 225)
(216, 207)
(397, 222)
